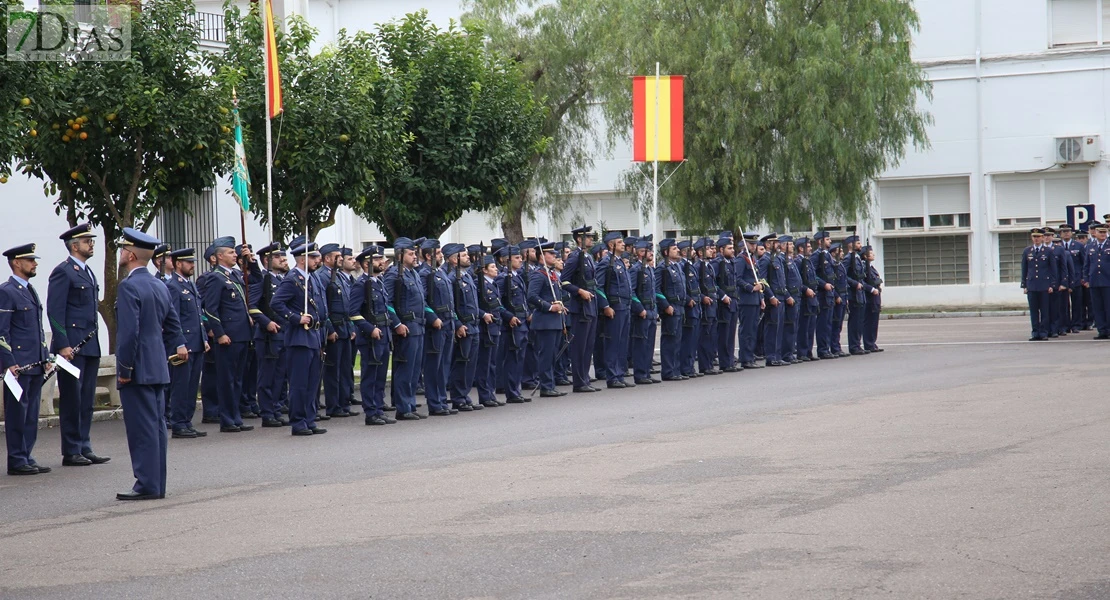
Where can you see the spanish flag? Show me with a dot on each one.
(657, 118)
(273, 74)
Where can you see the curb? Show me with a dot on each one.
(958, 314)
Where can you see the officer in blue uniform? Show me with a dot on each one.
(513, 288)
(269, 337)
(705, 250)
(670, 302)
(600, 253)
(644, 312)
(439, 344)
(337, 330)
(1059, 301)
(71, 308)
(614, 301)
(143, 306)
(691, 314)
(580, 281)
(185, 376)
(728, 316)
(807, 321)
(840, 308)
(857, 300)
(793, 303)
(209, 388)
(408, 315)
(772, 269)
(873, 285)
(303, 325)
(228, 320)
(750, 293)
(1073, 320)
(489, 331)
(1039, 278)
(464, 356)
(23, 353)
(546, 323)
(529, 251)
(350, 267)
(372, 320)
(825, 273)
(1085, 318)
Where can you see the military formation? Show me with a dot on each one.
(261, 335)
(1065, 275)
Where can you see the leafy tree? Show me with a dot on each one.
(117, 142)
(792, 106)
(341, 129)
(473, 122)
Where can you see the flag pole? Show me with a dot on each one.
(655, 166)
(269, 134)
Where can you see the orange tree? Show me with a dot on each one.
(117, 142)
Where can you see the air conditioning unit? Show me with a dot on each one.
(1078, 149)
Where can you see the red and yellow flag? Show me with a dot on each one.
(657, 118)
(273, 74)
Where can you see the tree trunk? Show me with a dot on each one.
(110, 281)
(512, 221)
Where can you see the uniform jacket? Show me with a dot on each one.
(22, 341)
(540, 298)
(1097, 264)
(693, 290)
(405, 296)
(143, 307)
(465, 296)
(260, 299)
(645, 290)
(186, 302)
(71, 308)
(225, 305)
(369, 310)
(854, 265)
(825, 272)
(746, 279)
(579, 274)
(613, 285)
(671, 288)
(1039, 269)
(1078, 258)
(707, 277)
(725, 271)
(288, 303)
(336, 292)
(809, 282)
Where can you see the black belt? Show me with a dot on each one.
(780, 292)
(467, 318)
(409, 316)
(795, 291)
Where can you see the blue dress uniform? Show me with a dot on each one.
(369, 314)
(748, 301)
(1039, 275)
(439, 344)
(792, 309)
(303, 343)
(1087, 316)
(1059, 299)
(489, 335)
(528, 379)
(644, 316)
(406, 303)
(22, 343)
(546, 326)
(826, 298)
(728, 314)
(691, 316)
(807, 321)
(336, 353)
(185, 378)
(143, 306)
(841, 307)
(71, 308)
(209, 388)
(464, 356)
(873, 283)
(615, 292)
(225, 308)
(514, 338)
(599, 253)
(671, 294)
(579, 275)
(772, 269)
(269, 348)
(707, 342)
(1073, 321)
(249, 278)
(857, 303)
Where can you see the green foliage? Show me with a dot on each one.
(474, 127)
(792, 106)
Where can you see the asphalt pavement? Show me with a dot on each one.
(963, 462)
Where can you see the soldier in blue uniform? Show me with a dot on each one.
(250, 275)
(143, 306)
(228, 320)
(705, 250)
(1059, 300)
(873, 284)
(513, 288)
(840, 308)
(807, 321)
(546, 323)
(529, 250)
(269, 337)
(600, 253)
(464, 357)
(1097, 278)
(670, 298)
(185, 377)
(728, 315)
(209, 388)
(373, 322)
(405, 297)
(1073, 320)
(303, 325)
(749, 301)
(1084, 319)
(857, 302)
(23, 353)
(1039, 278)
(348, 273)
(489, 331)
(580, 281)
(614, 301)
(644, 313)
(825, 273)
(71, 308)
(793, 303)
(691, 314)
(439, 344)
(339, 334)
(772, 269)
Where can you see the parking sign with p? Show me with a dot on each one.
(1080, 216)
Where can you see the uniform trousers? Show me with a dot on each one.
(272, 376)
(616, 344)
(584, 330)
(144, 420)
(486, 374)
(727, 330)
(21, 420)
(748, 315)
(184, 381)
(688, 353)
(337, 355)
(75, 405)
(464, 368)
(670, 345)
(305, 369)
(643, 347)
(438, 348)
(375, 367)
(230, 366)
(707, 344)
(408, 356)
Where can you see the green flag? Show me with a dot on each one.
(240, 179)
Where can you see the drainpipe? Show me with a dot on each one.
(982, 234)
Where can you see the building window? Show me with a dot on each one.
(1029, 200)
(193, 226)
(926, 260)
(1078, 22)
(925, 204)
(1010, 247)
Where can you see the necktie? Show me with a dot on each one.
(34, 294)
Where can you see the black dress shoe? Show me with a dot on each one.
(616, 385)
(272, 423)
(317, 430)
(827, 356)
(389, 408)
(180, 434)
(42, 469)
(23, 470)
(515, 400)
(464, 407)
(656, 380)
(284, 410)
(752, 365)
(585, 389)
(711, 372)
(304, 432)
(133, 495)
(675, 378)
(877, 349)
(565, 382)
(528, 386)
(419, 391)
(804, 359)
(375, 420)
(230, 429)
(249, 415)
(323, 417)
(774, 363)
(246, 428)
(644, 382)
(408, 417)
(843, 354)
(439, 413)
(210, 420)
(729, 370)
(628, 385)
(75, 460)
(353, 413)
(1052, 335)
(339, 415)
(201, 433)
(550, 394)
(489, 404)
(695, 375)
(856, 353)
